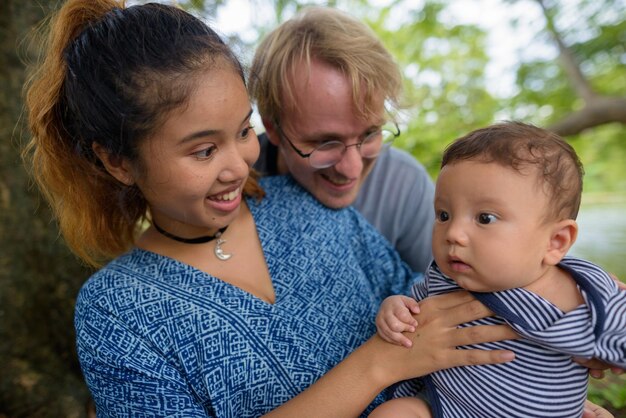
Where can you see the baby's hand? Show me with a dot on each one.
(395, 317)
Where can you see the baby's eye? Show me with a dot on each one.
(486, 218)
(205, 153)
(245, 133)
(443, 216)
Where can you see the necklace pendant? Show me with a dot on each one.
(219, 253)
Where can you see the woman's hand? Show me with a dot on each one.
(377, 364)
(435, 341)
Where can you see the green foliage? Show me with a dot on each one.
(207, 8)
(603, 58)
(545, 95)
(445, 88)
(603, 153)
(609, 392)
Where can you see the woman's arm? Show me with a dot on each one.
(348, 388)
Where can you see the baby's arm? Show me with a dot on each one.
(395, 317)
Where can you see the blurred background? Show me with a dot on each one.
(559, 64)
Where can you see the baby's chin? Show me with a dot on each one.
(469, 283)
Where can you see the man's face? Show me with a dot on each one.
(323, 111)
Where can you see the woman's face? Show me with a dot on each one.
(194, 167)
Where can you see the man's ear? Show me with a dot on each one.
(562, 238)
(271, 131)
(117, 166)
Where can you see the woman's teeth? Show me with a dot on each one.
(228, 196)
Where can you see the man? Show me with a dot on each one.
(321, 82)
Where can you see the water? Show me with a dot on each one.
(602, 235)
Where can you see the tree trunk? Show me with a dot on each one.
(39, 278)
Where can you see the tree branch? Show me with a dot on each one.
(570, 64)
(598, 111)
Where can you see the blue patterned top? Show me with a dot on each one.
(542, 381)
(157, 337)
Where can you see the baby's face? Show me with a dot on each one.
(490, 232)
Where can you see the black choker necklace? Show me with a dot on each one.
(219, 253)
(198, 240)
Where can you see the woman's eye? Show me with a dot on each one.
(205, 153)
(486, 218)
(443, 216)
(246, 132)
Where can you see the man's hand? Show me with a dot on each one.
(594, 411)
(597, 367)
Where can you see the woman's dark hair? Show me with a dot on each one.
(110, 76)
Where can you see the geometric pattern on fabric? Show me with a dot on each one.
(542, 381)
(157, 337)
(396, 197)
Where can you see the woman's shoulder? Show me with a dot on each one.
(120, 278)
(136, 260)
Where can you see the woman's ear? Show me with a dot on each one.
(117, 166)
(562, 238)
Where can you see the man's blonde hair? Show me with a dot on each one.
(332, 37)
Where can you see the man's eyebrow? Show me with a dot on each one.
(208, 132)
(325, 136)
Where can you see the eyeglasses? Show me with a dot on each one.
(329, 153)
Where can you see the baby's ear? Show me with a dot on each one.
(562, 238)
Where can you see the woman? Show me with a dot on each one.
(219, 301)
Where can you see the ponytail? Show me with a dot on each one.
(109, 76)
(74, 186)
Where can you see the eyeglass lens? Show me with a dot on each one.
(330, 153)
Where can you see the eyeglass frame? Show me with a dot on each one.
(356, 144)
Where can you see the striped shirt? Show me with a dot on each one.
(542, 381)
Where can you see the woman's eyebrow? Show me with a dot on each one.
(208, 132)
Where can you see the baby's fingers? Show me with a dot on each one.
(389, 324)
(391, 331)
(400, 321)
(411, 304)
(405, 321)
(396, 338)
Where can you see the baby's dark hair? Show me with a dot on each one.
(519, 146)
(110, 75)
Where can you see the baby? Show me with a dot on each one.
(506, 201)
